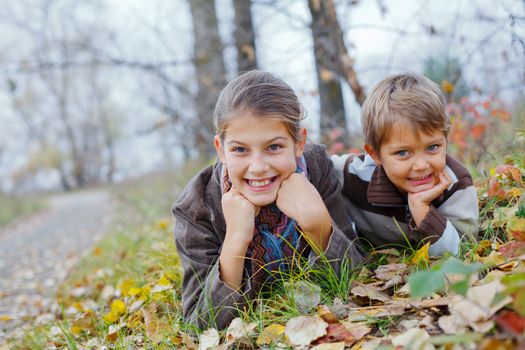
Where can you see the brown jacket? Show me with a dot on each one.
(200, 230)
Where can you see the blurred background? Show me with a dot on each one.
(94, 92)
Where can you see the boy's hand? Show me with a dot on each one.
(239, 214)
(419, 202)
(300, 200)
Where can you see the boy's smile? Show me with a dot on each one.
(259, 154)
(412, 160)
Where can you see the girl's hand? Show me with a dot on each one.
(239, 215)
(419, 203)
(299, 199)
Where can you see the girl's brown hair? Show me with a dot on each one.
(263, 95)
(408, 96)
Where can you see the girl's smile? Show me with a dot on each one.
(259, 154)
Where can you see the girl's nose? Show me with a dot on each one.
(258, 165)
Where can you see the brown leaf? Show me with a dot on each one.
(387, 272)
(154, 327)
(336, 332)
(512, 249)
(510, 322)
(326, 314)
(367, 291)
(358, 330)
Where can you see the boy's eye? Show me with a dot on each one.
(274, 147)
(402, 153)
(433, 148)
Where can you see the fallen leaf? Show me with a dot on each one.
(326, 314)
(330, 346)
(306, 295)
(415, 338)
(421, 255)
(394, 281)
(387, 272)
(367, 291)
(497, 344)
(516, 229)
(358, 330)
(188, 341)
(272, 333)
(388, 251)
(339, 308)
(208, 339)
(302, 330)
(154, 327)
(239, 329)
(510, 322)
(512, 249)
(336, 332)
(452, 324)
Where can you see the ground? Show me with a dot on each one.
(37, 253)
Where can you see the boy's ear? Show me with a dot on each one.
(370, 150)
(218, 147)
(299, 146)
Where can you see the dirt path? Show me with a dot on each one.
(37, 253)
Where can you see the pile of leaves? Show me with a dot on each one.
(130, 298)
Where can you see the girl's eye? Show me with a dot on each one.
(239, 149)
(274, 147)
(402, 153)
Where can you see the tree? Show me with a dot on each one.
(331, 100)
(210, 71)
(244, 36)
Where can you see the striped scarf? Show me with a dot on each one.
(276, 238)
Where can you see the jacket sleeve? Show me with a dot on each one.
(343, 244)
(455, 219)
(207, 301)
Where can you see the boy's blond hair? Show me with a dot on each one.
(409, 97)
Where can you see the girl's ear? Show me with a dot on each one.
(370, 150)
(218, 147)
(299, 145)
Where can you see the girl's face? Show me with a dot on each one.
(259, 153)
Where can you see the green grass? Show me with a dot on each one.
(13, 208)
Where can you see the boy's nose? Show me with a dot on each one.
(420, 163)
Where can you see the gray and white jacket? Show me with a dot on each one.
(375, 202)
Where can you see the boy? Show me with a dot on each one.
(406, 173)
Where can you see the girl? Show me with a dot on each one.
(240, 221)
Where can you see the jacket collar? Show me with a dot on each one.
(381, 191)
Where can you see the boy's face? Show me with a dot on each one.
(412, 160)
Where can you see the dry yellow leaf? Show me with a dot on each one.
(271, 333)
(421, 255)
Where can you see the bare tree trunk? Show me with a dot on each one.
(335, 49)
(329, 84)
(211, 73)
(244, 36)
